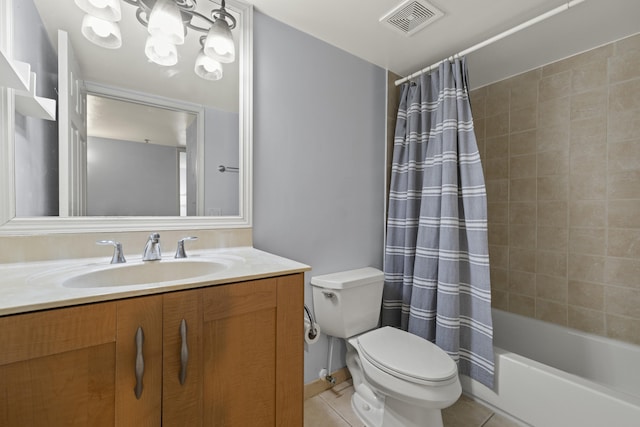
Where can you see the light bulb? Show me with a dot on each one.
(161, 51)
(100, 32)
(219, 43)
(165, 20)
(109, 10)
(208, 68)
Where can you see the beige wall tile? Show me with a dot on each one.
(522, 190)
(555, 86)
(577, 60)
(497, 147)
(551, 288)
(624, 185)
(586, 320)
(522, 283)
(622, 271)
(624, 66)
(522, 143)
(588, 213)
(498, 97)
(586, 294)
(627, 44)
(479, 127)
(498, 212)
(623, 328)
(552, 238)
(523, 305)
(623, 214)
(589, 75)
(588, 159)
(499, 299)
(625, 96)
(551, 311)
(498, 234)
(624, 126)
(499, 256)
(522, 213)
(523, 119)
(554, 112)
(588, 105)
(622, 301)
(587, 241)
(497, 168)
(497, 125)
(553, 213)
(524, 95)
(497, 190)
(555, 162)
(592, 186)
(522, 166)
(477, 99)
(624, 242)
(551, 263)
(587, 268)
(624, 156)
(522, 259)
(589, 131)
(553, 138)
(553, 187)
(522, 236)
(524, 79)
(499, 278)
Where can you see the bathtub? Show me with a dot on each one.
(549, 375)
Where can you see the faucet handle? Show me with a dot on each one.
(118, 254)
(180, 253)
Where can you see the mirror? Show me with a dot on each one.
(216, 188)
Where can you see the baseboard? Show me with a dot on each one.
(318, 386)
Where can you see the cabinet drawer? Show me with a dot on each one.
(239, 298)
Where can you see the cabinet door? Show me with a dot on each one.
(141, 408)
(182, 359)
(57, 367)
(239, 354)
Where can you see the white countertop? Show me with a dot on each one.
(34, 286)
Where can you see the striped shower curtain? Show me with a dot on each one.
(436, 256)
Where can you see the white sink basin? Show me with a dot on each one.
(144, 273)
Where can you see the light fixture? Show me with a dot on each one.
(207, 67)
(167, 22)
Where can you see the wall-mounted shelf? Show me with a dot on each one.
(29, 104)
(14, 74)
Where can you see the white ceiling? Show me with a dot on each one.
(353, 26)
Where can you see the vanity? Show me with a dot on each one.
(222, 348)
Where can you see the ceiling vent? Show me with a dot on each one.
(411, 16)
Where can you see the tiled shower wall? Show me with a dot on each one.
(561, 152)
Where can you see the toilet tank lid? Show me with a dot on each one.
(348, 279)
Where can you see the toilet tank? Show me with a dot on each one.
(348, 303)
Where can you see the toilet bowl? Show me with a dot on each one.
(400, 379)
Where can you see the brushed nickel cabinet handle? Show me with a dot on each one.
(184, 352)
(139, 362)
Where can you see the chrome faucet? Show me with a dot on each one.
(152, 248)
(118, 254)
(180, 253)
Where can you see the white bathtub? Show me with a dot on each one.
(548, 375)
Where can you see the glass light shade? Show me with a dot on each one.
(208, 68)
(165, 21)
(109, 10)
(161, 51)
(102, 33)
(219, 43)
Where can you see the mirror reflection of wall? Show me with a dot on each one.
(159, 176)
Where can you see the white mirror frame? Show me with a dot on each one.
(12, 225)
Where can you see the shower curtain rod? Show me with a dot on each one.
(493, 39)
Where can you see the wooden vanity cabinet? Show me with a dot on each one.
(76, 366)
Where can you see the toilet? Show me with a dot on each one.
(400, 379)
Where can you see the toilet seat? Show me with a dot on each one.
(407, 356)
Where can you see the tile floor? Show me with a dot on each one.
(332, 408)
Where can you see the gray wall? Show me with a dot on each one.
(36, 140)
(129, 178)
(319, 145)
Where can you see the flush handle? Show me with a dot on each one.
(329, 295)
(139, 362)
(184, 352)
